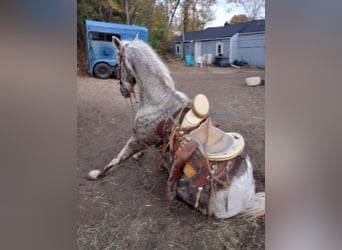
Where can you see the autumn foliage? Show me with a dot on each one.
(238, 19)
(164, 19)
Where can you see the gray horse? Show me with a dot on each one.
(140, 66)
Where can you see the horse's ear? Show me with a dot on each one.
(136, 37)
(116, 43)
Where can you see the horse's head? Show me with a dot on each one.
(125, 72)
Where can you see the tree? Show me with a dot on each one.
(254, 9)
(196, 13)
(238, 19)
(170, 9)
(160, 17)
(85, 10)
(126, 11)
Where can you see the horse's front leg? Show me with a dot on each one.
(132, 147)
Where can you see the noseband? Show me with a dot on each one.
(124, 92)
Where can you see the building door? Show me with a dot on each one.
(198, 49)
(219, 48)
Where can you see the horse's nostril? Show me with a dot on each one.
(124, 92)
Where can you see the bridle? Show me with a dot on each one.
(124, 92)
(121, 58)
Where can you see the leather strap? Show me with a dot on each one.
(182, 155)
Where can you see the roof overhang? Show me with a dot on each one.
(220, 38)
(201, 40)
(252, 33)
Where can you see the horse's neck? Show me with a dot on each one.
(155, 94)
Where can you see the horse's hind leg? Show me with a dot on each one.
(132, 147)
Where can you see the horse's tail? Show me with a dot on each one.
(257, 208)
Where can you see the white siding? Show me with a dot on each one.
(251, 47)
(248, 47)
(226, 47)
(234, 48)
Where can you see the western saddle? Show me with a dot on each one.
(200, 154)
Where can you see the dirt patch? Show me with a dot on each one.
(128, 209)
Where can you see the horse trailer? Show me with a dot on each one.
(101, 54)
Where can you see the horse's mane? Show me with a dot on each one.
(149, 57)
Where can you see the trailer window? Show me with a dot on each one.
(100, 36)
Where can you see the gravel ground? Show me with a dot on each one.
(128, 209)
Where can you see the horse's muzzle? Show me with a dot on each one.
(125, 93)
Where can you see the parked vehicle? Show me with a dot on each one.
(101, 54)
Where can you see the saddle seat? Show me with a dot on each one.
(217, 144)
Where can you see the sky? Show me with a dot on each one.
(221, 15)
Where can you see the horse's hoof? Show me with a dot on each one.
(94, 174)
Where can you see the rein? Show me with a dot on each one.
(131, 94)
(124, 92)
(172, 133)
(121, 57)
(132, 109)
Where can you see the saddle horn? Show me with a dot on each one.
(198, 112)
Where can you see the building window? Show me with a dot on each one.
(177, 49)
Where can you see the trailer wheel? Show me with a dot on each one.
(102, 70)
(116, 72)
